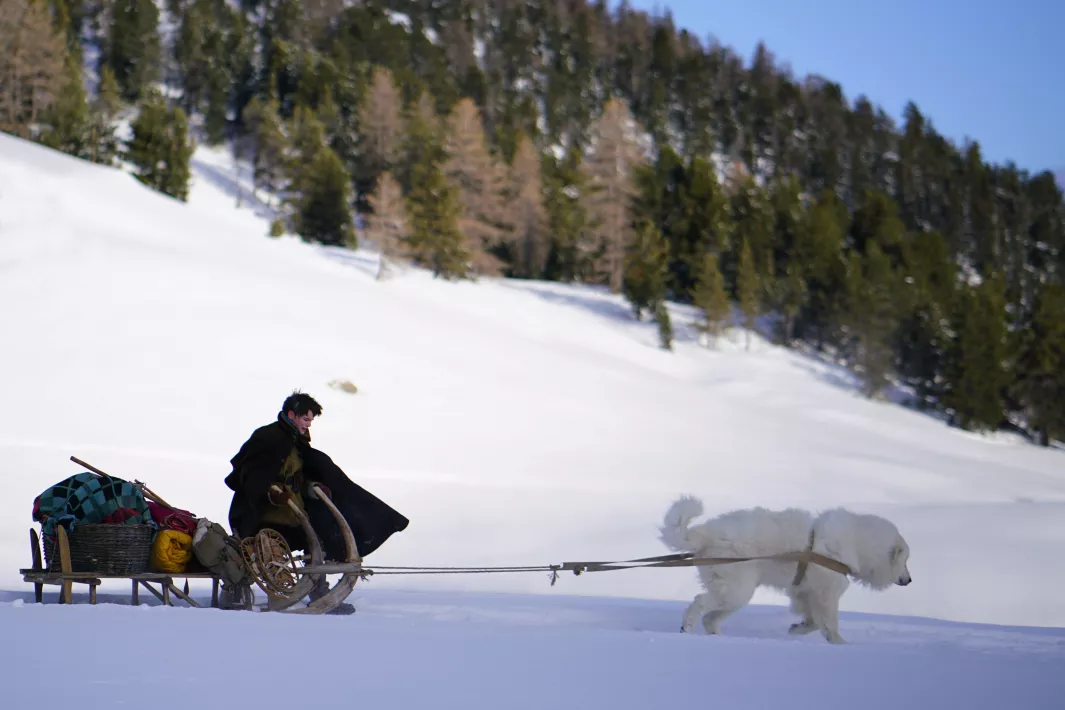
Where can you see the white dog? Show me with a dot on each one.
(870, 546)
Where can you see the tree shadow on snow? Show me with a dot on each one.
(227, 184)
(596, 300)
(363, 261)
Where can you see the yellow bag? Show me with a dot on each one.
(171, 551)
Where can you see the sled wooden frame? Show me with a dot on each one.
(351, 569)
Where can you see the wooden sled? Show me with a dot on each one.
(267, 556)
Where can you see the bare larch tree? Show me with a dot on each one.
(526, 213)
(609, 168)
(387, 224)
(32, 55)
(480, 179)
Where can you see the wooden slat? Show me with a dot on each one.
(150, 576)
(66, 592)
(45, 579)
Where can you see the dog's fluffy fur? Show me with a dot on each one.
(869, 545)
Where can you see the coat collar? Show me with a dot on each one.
(291, 429)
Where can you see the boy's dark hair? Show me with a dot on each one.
(301, 403)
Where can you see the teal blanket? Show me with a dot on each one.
(90, 498)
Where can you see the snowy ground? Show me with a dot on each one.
(513, 423)
(420, 649)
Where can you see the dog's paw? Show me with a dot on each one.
(801, 629)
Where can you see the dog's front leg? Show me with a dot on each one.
(800, 605)
(824, 612)
(830, 622)
(695, 611)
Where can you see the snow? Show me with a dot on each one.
(475, 650)
(399, 18)
(513, 423)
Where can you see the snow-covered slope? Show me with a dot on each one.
(513, 423)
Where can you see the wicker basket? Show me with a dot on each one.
(106, 549)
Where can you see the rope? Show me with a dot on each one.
(804, 558)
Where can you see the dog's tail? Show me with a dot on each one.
(675, 530)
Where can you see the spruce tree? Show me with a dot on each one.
(133, 48)
(567, 219)
(325, 201)
(976, 377)
(873, 318)
(160, 148)
(178, 155)
(665, 325)
(646, 270)
(711, 298)
(432, 215)
(104, 143)
(68, 122)
(925, 302)
(433, 209)
(267, 143)
(748, 289)
(1040, 387)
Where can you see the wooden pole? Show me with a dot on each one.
(148, 493)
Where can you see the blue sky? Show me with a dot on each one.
(992, 71)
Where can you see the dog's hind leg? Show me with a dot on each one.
(727, 595)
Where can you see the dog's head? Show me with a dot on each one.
(882, 555)
(900, 557)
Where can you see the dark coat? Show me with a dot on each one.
(258, 463)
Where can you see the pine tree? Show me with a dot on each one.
(646, 270)
(976, 376)
(790, 294)
(873, 318)
(1040, 388)
(178, 154)
(752, 222)
(699, 222)
(133, 48)
(104, 143)
(68, 122)
(160, 149)
(433, 213)
(818, 249)
(433, 209)
(748, 288)
(325, 201)
(567, 219)
(267, 143)
(924, 305)
(711, 298)
(665, 325)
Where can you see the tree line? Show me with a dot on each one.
(562, 140)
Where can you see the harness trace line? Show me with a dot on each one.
(687, 559)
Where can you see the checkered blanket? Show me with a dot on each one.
(90, 498)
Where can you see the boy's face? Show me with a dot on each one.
(302, 422)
